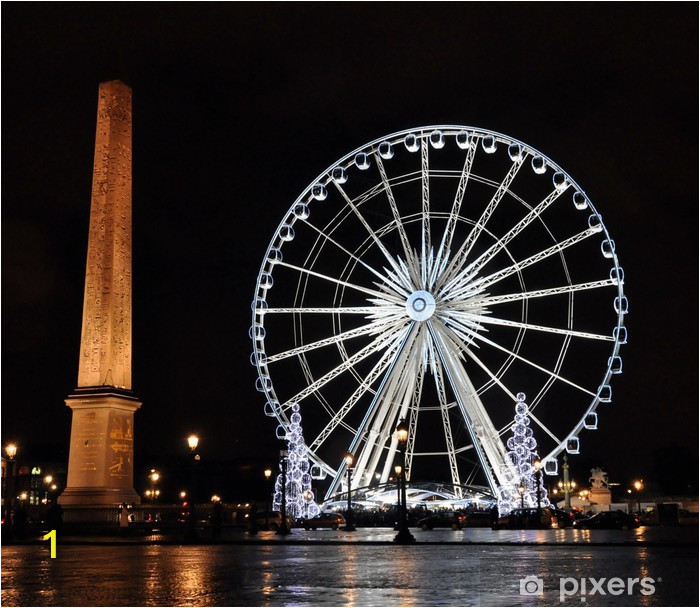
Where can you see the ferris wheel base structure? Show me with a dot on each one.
(433, 275)
(426, 494)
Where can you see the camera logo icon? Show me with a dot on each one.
(531, 585)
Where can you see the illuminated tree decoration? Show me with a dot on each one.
(300, 498)
(522, 453)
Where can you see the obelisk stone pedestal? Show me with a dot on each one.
(100, 467)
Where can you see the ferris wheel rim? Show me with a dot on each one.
(424, 132)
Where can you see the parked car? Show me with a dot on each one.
(273, 519)
(527, 518)
(564, 519)
(608, 520)
(478, 519)
(444, 519)
(324, 520)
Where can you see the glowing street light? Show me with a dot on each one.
(521, 491)
(268, 492)
(154, 476)
(191, 534)
(47, 480)
(11, 450)
(404, 536)
(349, 524)
(638, 487)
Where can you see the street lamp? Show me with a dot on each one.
(404, 536)
(9, 495)
(397, 472)
(268, 476)
(47, 481)
(349, 523)
(191, 535)
(284, 528)
(154, 477)
(638, 486)
(521, 491)
(193, 442)
(538, 477)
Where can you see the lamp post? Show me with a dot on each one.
(11, 451)
(47, 481)
(638, 486)
(349, 523)
(284, 528)
(154, 477)
(404, 536)
(397, 472)
(191, 535)
(538, 476)
(268, 476)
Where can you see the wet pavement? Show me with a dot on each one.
(320, 569)
(651, 536)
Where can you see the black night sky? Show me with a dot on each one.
(237, 107)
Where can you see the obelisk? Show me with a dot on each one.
(100, 466)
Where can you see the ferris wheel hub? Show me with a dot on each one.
(420, 305)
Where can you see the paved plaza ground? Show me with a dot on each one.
(473, 567)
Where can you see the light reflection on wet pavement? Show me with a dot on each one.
(343, 574)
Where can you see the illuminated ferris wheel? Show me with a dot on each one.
(432, 275)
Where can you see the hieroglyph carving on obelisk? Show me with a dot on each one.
(100, 467)
(105, 345)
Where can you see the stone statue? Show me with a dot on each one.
(598, 478)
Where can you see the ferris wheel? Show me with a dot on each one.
(432, 275)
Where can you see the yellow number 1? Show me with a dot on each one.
(52, 536)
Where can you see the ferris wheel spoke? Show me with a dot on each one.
(359, 392)
(496, 379)
(378, 294)
(466, 247)
(489, 280)
(448, 235)
(333, 310)
(364, 330)
(425, 197)
(446, 426)
(412, 424)
(380, 342)
(539, 293)
(395, 212)
(544, 428)
(479, 319)
(478, 336)
(372, 234)
(484, 258)
(383, 277)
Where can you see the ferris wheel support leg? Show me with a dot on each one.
(487, 444)
(379, 448)
(382, 426)
(408, 339)
(414, 396)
